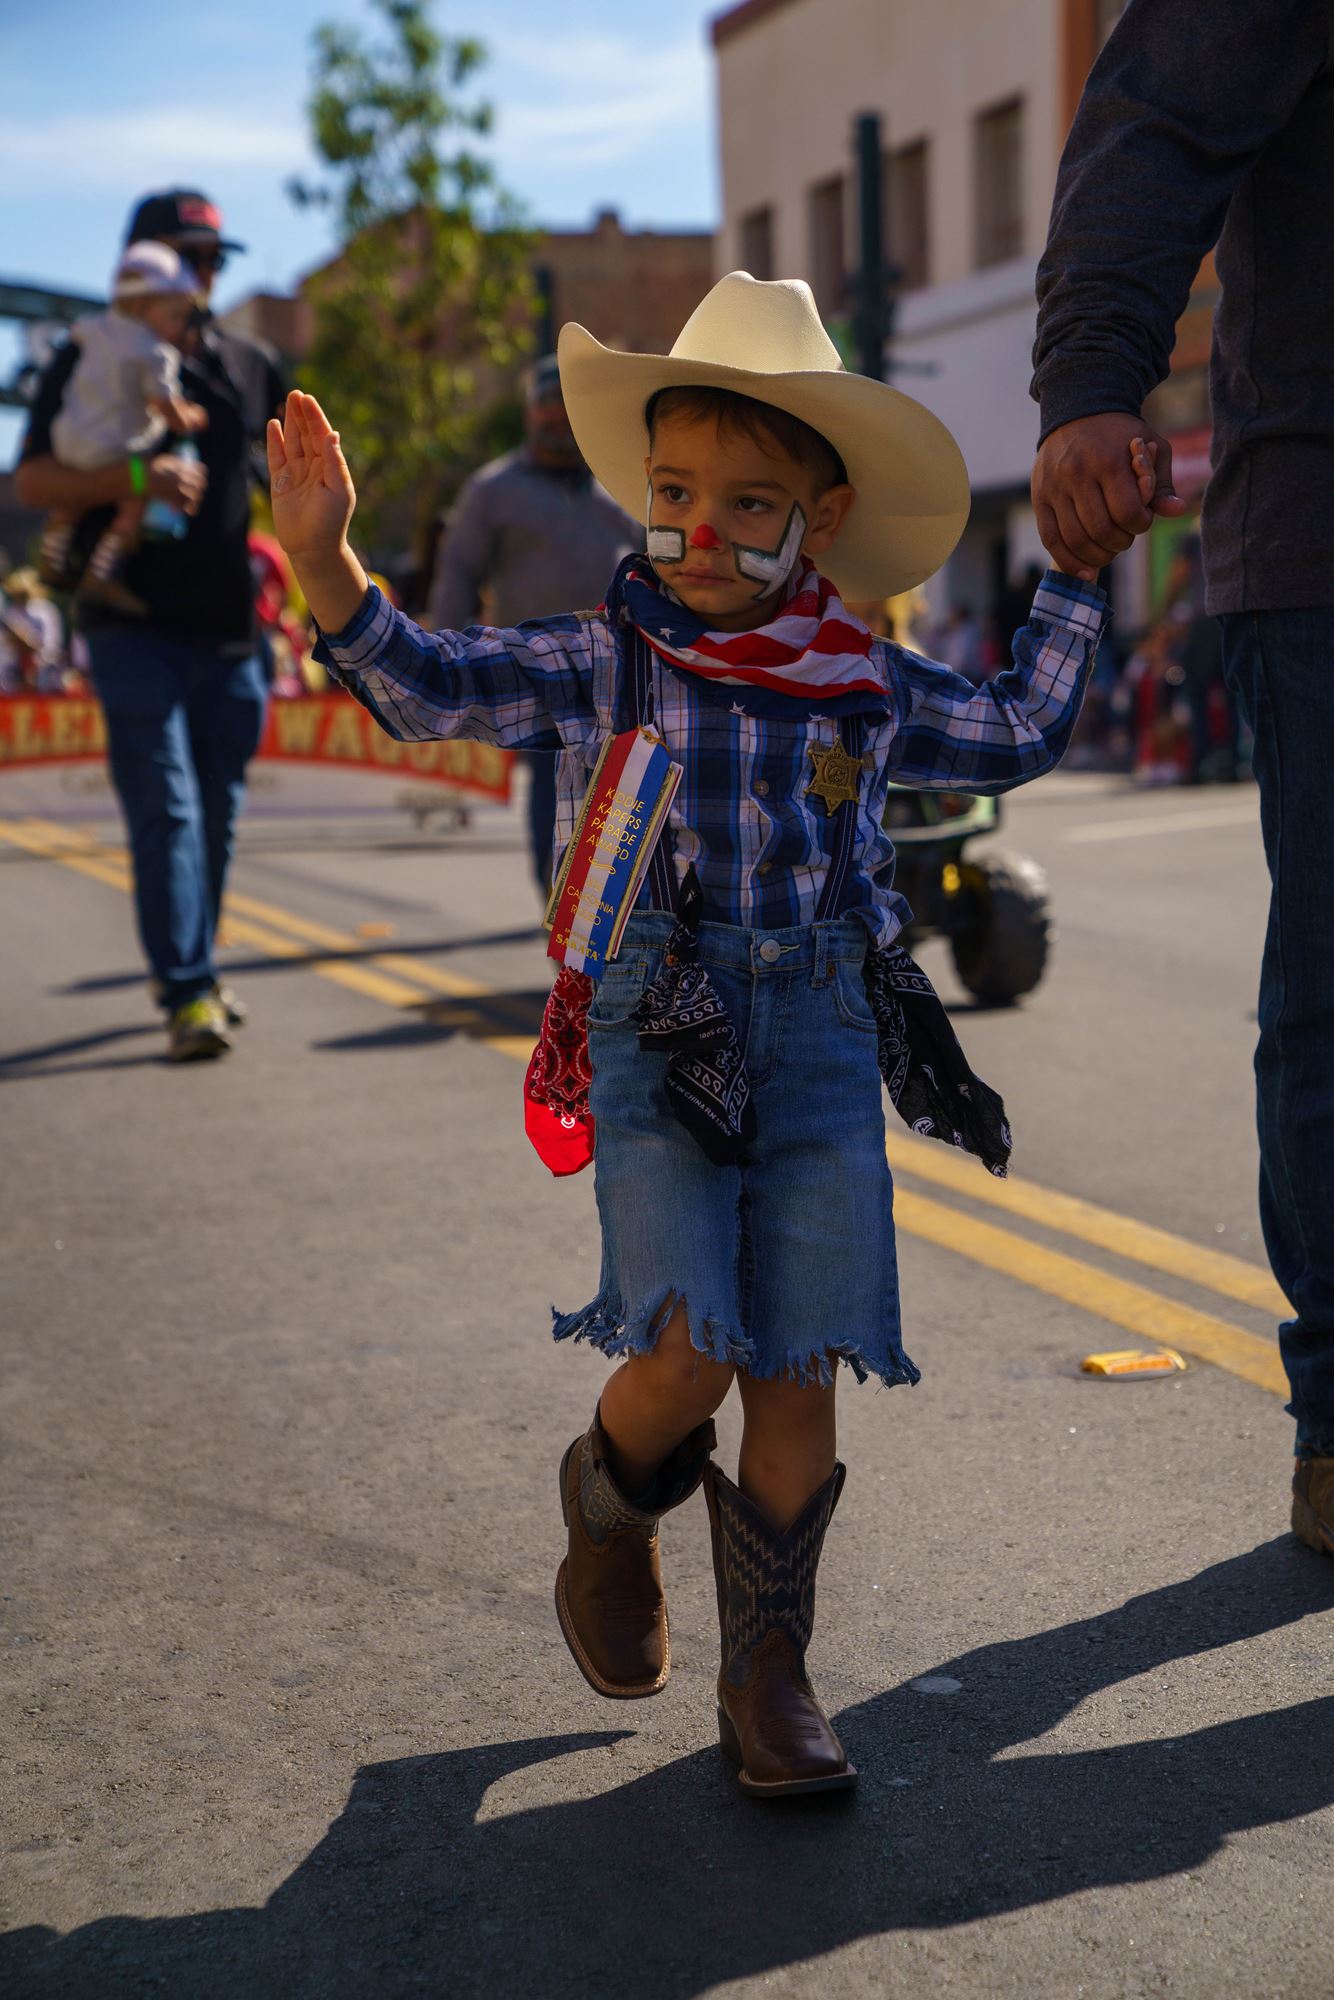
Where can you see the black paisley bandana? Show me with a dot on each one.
(926, 1072)
(681, 1016)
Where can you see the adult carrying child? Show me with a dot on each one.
(724, 1064)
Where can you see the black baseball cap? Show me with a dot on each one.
(179, 213)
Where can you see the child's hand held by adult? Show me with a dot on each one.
(1087, 489)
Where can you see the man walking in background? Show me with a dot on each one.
(180, 685)
(537, 534)
(1205, 126)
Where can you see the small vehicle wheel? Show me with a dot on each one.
(1000, 950)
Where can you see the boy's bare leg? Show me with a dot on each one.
(787, 1445)
(655, 1400)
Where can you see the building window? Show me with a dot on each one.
(757, 243)
(827, 261)
(999, 168)
(906, 215)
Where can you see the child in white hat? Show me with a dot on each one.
(729, 1057)
(124, 397)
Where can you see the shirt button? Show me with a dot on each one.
(761, 788)
(771, 951)
(765, 868)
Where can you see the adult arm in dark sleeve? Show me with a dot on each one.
(1178, 106)
(463, 563)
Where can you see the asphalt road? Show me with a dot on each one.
(285, 1711)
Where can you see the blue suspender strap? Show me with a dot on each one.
(852, 734)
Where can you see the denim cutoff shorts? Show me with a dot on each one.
(786, 1263)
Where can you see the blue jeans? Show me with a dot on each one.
(183, 721)
(785, 1264)
(1280, 666)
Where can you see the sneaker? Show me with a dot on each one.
(236, 1010)
(1313, 1503)
(197, 1031)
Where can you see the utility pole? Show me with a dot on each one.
(875, 280)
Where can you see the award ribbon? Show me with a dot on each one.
(622, 817)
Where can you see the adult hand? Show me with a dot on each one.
(312, 490)
(178, 481)
(1085, 493)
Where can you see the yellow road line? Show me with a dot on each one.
(1130, 1306)
(1232, 1277)
(108, 871)
(1133, 1307)
(384, 977)
(397, 964)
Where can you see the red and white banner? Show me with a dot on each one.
(329, 729)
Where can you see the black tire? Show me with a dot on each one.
(1001, 952)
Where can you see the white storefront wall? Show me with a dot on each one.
(790, 87)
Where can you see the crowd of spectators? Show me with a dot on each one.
(1158, 707)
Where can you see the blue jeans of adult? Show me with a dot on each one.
(1280, 667)
(183, 721)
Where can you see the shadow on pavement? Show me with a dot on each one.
(480, 1018)
(42, 1060)
(673, 1883)
(114, 982)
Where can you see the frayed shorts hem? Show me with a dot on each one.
(606, 1325)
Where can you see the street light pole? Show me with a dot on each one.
(873, 278)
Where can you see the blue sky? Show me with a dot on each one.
(105, 102)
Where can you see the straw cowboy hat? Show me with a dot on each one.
(766, 341)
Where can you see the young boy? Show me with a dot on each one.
(742, 1183)
(123, 398)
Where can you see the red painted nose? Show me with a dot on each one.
(705, 537)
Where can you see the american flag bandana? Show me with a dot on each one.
(813, 655)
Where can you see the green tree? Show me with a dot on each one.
(423, 313)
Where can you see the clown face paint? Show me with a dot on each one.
(662, 545)
(770, 568)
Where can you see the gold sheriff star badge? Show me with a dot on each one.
(836, 775)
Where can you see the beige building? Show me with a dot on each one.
(975, 98)
(633, 288)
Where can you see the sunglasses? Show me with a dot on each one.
(203, 259)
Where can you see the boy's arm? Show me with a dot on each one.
(505, 687)
(953, 736)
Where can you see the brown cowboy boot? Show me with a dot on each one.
(768, 1718)
(1313, 1503)
(609, 1596)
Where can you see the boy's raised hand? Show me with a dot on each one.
(313, 494)
(313, 498)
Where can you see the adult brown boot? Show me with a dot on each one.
(768, 1718)
(1313, 1503)
(609, 1595)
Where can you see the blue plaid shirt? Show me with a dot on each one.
(760, 844)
